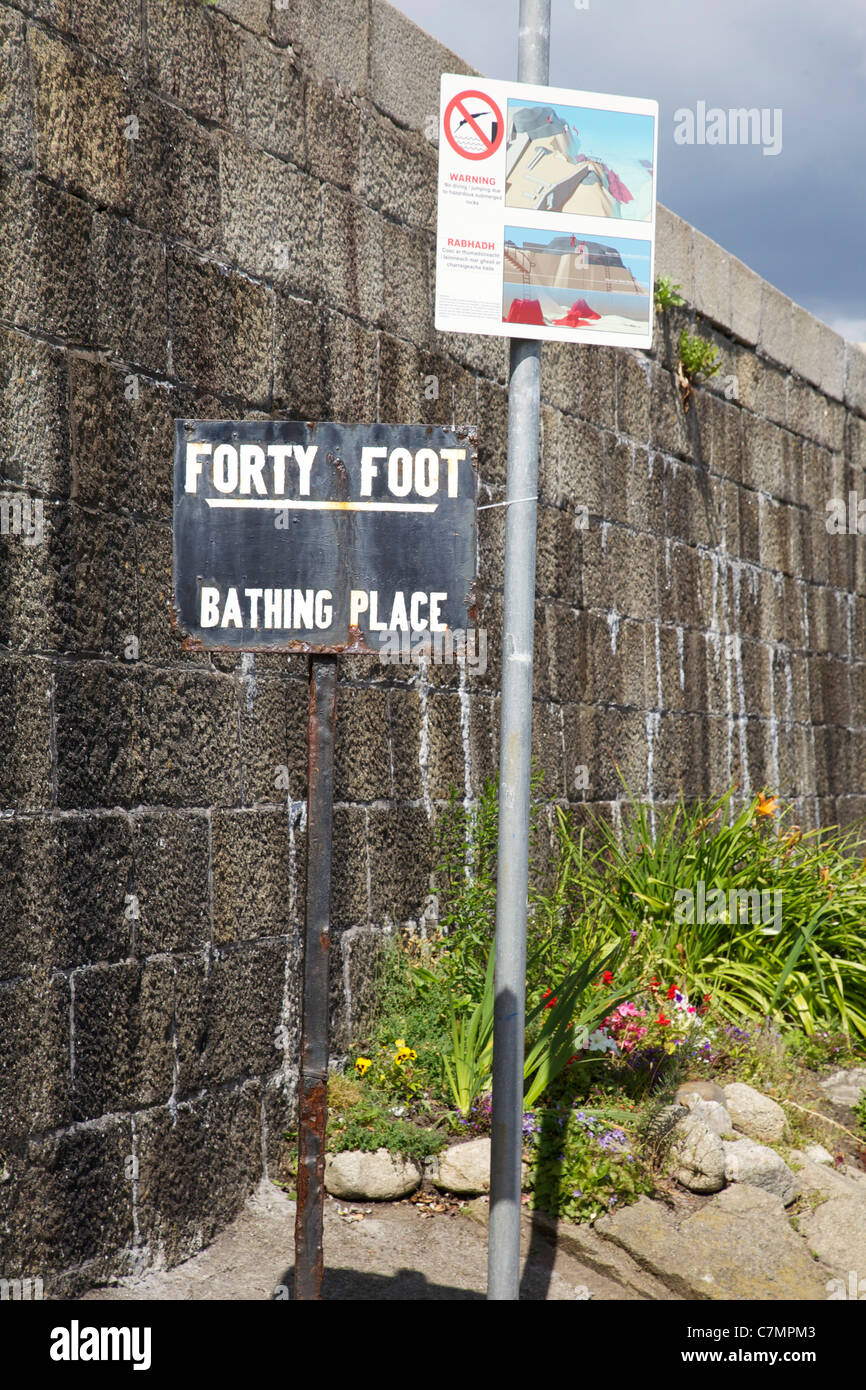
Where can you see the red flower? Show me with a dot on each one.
(707, 998)
(662, 1021)
(607, 977)
(549, 999)
(654, 985)
(672, 992)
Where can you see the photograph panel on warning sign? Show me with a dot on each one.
(571, 281)
(579, 160)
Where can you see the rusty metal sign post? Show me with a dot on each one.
(328, 540)
(313, 1082)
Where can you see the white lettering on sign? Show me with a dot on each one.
(280, 476)
(251, 468)
(402, 617)
(267, 608)
(312, 609)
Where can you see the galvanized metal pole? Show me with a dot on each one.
(313, 1086)
(524, 389)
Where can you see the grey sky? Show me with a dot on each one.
(799, 217)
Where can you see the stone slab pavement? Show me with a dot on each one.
(384, 1251)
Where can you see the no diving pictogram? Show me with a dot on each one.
(473, 125)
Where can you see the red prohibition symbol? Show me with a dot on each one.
(473, 125)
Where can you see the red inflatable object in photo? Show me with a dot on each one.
(578, 316)
(525, 311)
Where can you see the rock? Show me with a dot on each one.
(740, 1245)
(713, 1115)
(845, 1087)
(749, 1162)
(697, 1156)
(817, 1180)
(370, 1177)
(836, 1231)
(699, 1090)
(463, 1169)
(754, 1114)
(816, 1153)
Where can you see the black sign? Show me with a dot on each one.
(320, 537)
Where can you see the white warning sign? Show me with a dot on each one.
(546, 224)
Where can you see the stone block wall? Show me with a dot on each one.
(227, 210)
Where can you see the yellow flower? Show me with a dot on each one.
(399, 1042)
(766, 805)
(362, 1065)
(405, 1054)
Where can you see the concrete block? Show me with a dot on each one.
(675, 257)
(405, 67)
(712, 265)
(252, 14)
(189, 726)
(333, 137)
(175, 173)
(407, 302)
(351, 383)
(112, 27)
(34, 1055)
(26, 775)
(251, 882)
(122, 1056)
(632, 396)
(171, 882)
(34, 414)
(196, 1168)
(241, 1012)
(46, 278)
(16, 103)
(272, 111)
(273, 722)
(398, 171)
(78, 1181)
(332, 37)
(855, 376)
(400, 843)
(746, 285)
(353, 269)
(129, 268)
(221, 327)
(819, 353)
(776, 333)
(299, 358)
(271, 216)
(80, 110)
(194, 56)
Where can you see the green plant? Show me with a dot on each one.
(860, 1112)
(805, 966)
(581, 1163)
(369, 1125)
(469, 1059)
(666, 296)
(698, 361)
(561, 1028)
